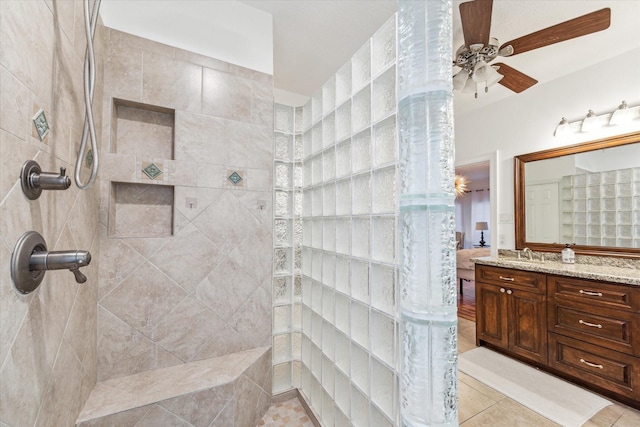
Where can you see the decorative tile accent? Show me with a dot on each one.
(235, 178)
(40, 122)
(152, 170)
(89, 158)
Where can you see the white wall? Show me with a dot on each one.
(525, 122)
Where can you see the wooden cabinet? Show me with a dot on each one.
(594, 334)
(584, 330)
(511, 311)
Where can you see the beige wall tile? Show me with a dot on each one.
(117, 261)
(63, 399)
(202, 60)
(262, 104)
(226, 96)
(181, 333)
(225, 341)
(226, 288)
(201, 138)
(249, 319)
(13, 153)
(226, 222)
(123, 72)
(184, 90)
(200, 408)
(208, 175)
(15, 111)
(27, 40)
(144, 298)
(187, 258)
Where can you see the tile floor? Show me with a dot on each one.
(289, 413)
(479, 405)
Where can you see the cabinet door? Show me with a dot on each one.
(527, 316)
(491, 314)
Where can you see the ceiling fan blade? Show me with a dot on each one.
(476, 21)
(514, 79)
(577, 27)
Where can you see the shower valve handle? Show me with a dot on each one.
(31, 259)
(61, 260)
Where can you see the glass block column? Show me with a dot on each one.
(349, 327)
(427, 303)
(287, 280)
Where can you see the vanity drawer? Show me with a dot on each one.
(601, 294)
(507, 277)
(604, 368)
(614, 329)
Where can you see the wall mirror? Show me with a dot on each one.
(586, 194)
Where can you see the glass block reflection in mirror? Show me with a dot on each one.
(609, 204)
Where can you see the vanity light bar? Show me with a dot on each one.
(592, 122)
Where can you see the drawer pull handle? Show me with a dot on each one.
(502, 290)
(593, 365)
(593, 325)
(509, 291)
(508, 279)
(590, 293)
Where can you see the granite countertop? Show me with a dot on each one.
(629, 276)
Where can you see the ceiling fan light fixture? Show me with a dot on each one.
(482, 71)
(460, 79)
(590, 121)
(621, 115)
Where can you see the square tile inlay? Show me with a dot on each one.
(235, 178)
(89, 158)
(152, 171)
(40, 122)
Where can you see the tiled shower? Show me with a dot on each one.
(190, 239)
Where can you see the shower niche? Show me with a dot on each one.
(143, 130)
(143, 208)
(140, 210)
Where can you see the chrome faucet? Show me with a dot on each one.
(33, 180)
(528, 253)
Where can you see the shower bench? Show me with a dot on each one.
(230, 390)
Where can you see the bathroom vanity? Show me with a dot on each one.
(580, 322)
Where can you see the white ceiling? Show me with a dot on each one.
(312, 38)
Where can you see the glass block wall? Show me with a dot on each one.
(349, 330)
(427, 289)
(287, 236)
(601, 208)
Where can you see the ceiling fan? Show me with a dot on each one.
(479, 49)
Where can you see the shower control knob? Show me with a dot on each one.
(33, 180)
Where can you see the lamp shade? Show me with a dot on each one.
(482, 226)
(482, 71)
(621, 115)
(590, 122)
(460, 79)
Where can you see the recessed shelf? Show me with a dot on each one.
(140, 210)
(146, 131)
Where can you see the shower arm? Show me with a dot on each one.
(89, 86)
